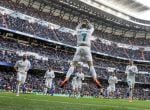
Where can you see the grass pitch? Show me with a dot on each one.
(9, 101)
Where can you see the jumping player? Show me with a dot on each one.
(131, 71)
(22, 67)
(84, 32)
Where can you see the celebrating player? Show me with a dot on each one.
(131, 71)
(77, 82)
(111, 88)
(83, 53)
(49, 75)
(22, 67)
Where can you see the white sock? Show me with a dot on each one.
(18, 86)
(92, 71)
(131, 93)
(70, 71)
(45, 90)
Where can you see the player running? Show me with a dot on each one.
(84, 32)
(131, 71)
(49, 75)
(22, 67)
(111, 88)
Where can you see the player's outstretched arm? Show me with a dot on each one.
(91, 27)
(16, 66)
(79, 26)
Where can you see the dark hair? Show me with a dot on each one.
(84, 26)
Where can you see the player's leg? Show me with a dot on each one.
(76, 58)
(93, 72)
(46, 86)
(23, 79)
(18, 87)
(70, 71)
(113, 92)
(130, 83)
(88, 58)
(108, 92)
(19, 78)
(79, 89)
(73, 90)
(50, 86)
(131, 92)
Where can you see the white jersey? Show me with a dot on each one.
(84, 35)
(74, 81)
(49, 74)
(112, 80)
(80, 77)
(131, 71)
(22, 66)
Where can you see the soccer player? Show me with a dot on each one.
(79, 79)
(22, 67)
(131, 71)
(74, 86)
(111, 88)
(49, 75)
(84, 32)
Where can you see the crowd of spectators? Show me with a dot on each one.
(68, 38)
(21, 7)
(60, 59)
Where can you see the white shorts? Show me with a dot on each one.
(83, 53)
(21, 77)
(131, 83)
(76, 86)
(111, 89)
(48, 82)
(79, 85)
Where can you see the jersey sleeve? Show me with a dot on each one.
(28, 66)
(53, 75)
(109, 80)
(16, 64)
(91, 28)
(136, 69)
(45, 74)
(82, 76)
(116, 80)
(78, 26)
(127, 70)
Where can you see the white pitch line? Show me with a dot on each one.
(87, 104)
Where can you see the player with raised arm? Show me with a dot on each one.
(112, 82)
(131, 71)
(84, 32)
(22, 67)
(49, 76)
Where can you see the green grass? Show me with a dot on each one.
(9, 101)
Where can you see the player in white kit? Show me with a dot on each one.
(84, 32)
(74, 86)
(77, 82)
(49, 75)
(131, 71)
(111, 88)
(22, 67)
